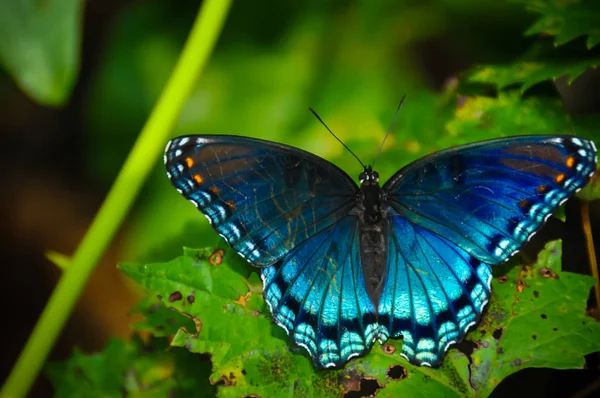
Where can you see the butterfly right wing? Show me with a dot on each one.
(317, 294)
(263, 198)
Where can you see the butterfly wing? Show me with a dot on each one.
(489, 198)
(317, 293)
(453, 214)
(433, 291)
(263, 198)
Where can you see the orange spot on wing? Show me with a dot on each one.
(523, 204)
(570, 161)
(214, 190)
(189, 162)
(197, 178)
(559, 178)
(231, 205)
(542, 189)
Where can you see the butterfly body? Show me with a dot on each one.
(344, 265)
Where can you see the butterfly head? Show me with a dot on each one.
(369, 176)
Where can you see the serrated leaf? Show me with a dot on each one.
(529, 73)
(131, 369)
(159, 320)
(253, 356)
(566, 19)
(39, 46)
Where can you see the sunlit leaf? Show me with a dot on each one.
(528, 74)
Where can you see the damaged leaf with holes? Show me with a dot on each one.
(131, 368)
(536, 318)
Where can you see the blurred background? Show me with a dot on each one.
(349, 60)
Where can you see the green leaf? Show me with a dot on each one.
(160, 320)
(566, 19)
(132, 369)
(536, 319)
(39, 46)
(251, 355)
(480, 118)
(529, 73)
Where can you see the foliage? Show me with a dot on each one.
(536, 318)
(131, 368)
(565, 20)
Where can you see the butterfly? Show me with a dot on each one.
(344, 265)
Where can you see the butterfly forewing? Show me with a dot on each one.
(489, 198)
(263, 198)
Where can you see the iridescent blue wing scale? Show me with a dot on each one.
(317, 294)
(263, 198)
(453, 214)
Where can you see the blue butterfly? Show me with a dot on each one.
(344, 265)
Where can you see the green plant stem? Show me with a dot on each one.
(133, 174)
(591, 251)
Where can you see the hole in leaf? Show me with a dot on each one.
(466, 347)
(498, 333)
(544, 316)
(368, 388)
(396, 372)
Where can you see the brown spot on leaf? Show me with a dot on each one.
(517, 362)
(175, 296)
(520, 286)
(548, 273)
(389, 349)
(191, 299)
(499, 350)
(554, 329)
(484, 344)
(502, 279)
(397, 372)
(534, 337)
(544, 316)
(216, 258)
(158, 296)
(536, 293)
(356, 385)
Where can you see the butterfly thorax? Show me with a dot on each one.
(373, 233)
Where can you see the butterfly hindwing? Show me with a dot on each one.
(433, 291)
(263, 198)
(317, 294)
(489, 198)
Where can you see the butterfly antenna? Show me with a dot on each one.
(335, 136)
(389, 130)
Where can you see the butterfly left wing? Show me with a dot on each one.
(489, 198)
(264, 198)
